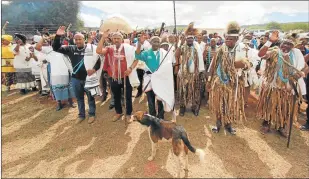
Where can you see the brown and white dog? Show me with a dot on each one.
(159, 129)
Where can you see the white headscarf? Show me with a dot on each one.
(37, 38)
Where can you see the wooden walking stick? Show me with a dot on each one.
(293, 110)
(124, 117)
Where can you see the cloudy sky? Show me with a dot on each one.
(211, 14)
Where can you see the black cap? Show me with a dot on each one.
(22, 37)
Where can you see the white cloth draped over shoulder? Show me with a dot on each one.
(61, 68)
(161, 81)
(92, 83)
(130, 57)
(253, 57)
(299, 63)
(202, 46)
(200, 56)
(41, 55)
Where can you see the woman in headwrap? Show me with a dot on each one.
(24, 78)
(7, 57)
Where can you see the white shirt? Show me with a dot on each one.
(172, 53)
(20, 57)
(202, 46)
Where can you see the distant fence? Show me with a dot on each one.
(29, 29)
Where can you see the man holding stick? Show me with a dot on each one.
(285, 67)
(120, 64)
(158, 71)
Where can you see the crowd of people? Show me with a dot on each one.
(187, 67)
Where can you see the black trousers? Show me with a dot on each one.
(175, 79)
(307, 96)
(151, 97)
(140, 74)
(117, 91)
(104, 81)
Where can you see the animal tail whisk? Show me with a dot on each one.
(199, 152)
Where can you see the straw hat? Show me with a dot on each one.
(115, 24)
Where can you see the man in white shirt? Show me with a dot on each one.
(141, 66)
(201, 43)
(41, 64)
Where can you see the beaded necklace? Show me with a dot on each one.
(280, 63)
(225, 78)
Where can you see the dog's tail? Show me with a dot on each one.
(198, 152)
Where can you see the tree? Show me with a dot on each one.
(273, 25)
(42, 12)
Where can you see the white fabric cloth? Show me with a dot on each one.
(200, 60)
(251, 73)
(299, 63)
(35, 67)
(130, 57)
(60, 67)
(92, 83)
(202, 46)
(43, 67)
(172, 52)
(164, 75)
(200, 56)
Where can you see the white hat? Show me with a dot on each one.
(37, 38)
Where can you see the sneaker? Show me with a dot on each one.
(231, 130)
(216, 129)
(117, 117)
(44, 93)
(23, 91)
(283, 132)
(265, 127)
(79, 120)
(111, 107)
(128, 119)
(138, 94)
(195, 112)
(59, 107)
(182, 111)
(305, 127)
(91, 119)
(104, 98)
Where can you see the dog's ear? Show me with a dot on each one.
(139, 115)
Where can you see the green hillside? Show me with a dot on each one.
(281, 26)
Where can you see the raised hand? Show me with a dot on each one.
(274, 36)
(141, 39)
(61, 31)
(90, 37)
(182, 38)
(105, 34)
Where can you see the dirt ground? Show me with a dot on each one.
(37, 141)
